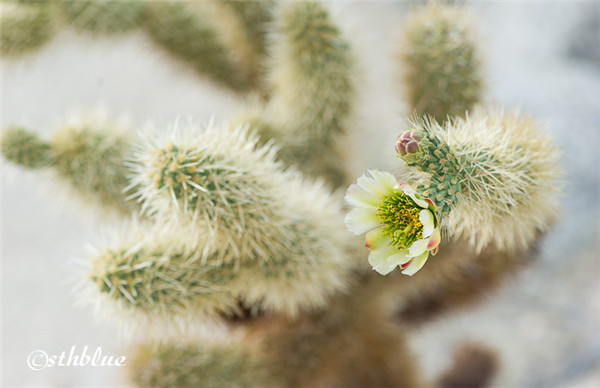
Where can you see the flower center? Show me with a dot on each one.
(400, 216)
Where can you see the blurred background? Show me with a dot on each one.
(542, 57)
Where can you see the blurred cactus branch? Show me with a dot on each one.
(312, 92)
(440, 63)
(222, 40)
(185, 31)
(88, 158)
(195, 364)
(26, 26)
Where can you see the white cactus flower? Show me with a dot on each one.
(401, 227)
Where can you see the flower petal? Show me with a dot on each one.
(430, 202)
(379, 260)
(399, 258)
(428, 222)
(416, 264)
(413, 195)
(380, 185)
(360, 220)
(359, 197)
(434, 240)
(406, 189)
(375, 239)
(418, 247)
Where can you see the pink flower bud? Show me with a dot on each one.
(407, 143)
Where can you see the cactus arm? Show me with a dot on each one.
(26, 26)
(439, 61)
(312, 89)
(87, 158)
(186, 31)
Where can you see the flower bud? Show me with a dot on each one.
(407, 143)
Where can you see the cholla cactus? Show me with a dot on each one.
(26, 25)
(439, 62)
(90, 155)
(311, 61)
(455, 279)
(208, 173)
(235, 240)
(225, 40)
(103, 17)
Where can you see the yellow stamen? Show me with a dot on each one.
(400, 216)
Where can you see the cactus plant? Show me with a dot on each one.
(237, 227)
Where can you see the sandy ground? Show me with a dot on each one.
(540, 56)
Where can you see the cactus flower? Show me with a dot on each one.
(401, 227)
